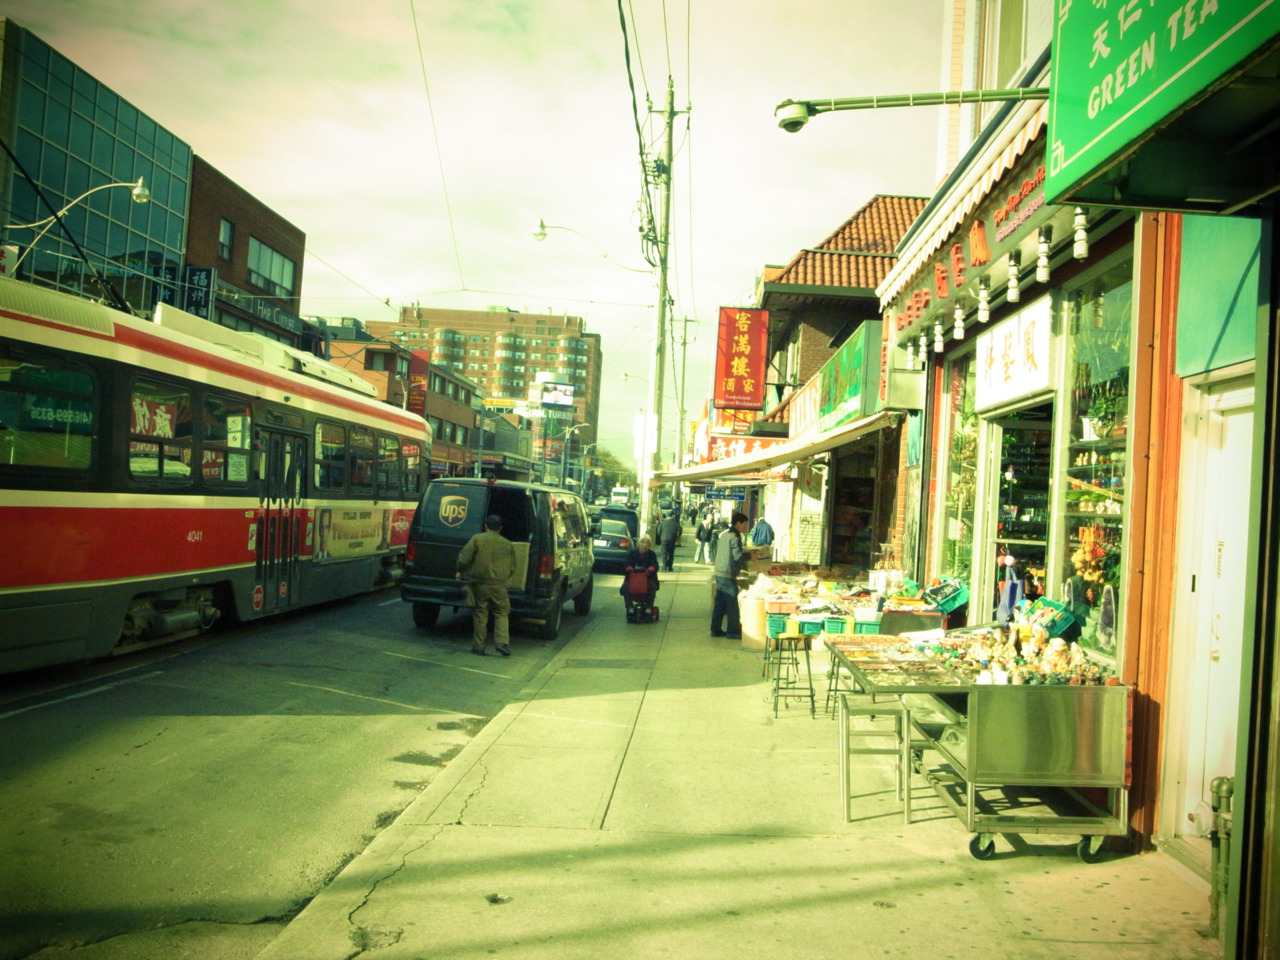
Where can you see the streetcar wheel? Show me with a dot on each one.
(426, 614)
(982, 847)
(1087, 851)
(582, 602)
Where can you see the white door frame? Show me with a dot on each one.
(1200, 641)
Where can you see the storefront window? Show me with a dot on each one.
(961, 472)
(1096, 316)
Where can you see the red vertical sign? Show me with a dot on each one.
(740, 358)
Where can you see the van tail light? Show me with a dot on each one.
(546, 565)
(410, 552)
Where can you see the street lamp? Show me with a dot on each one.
(564, 448)
(140, 195)
(794, 114)
(541, 234)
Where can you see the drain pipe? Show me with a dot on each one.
(1220, 844)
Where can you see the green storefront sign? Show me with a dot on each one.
(849, 383)
(1122, 67)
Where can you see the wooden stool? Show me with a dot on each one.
(899, 732)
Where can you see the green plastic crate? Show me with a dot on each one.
(866, 626)
(777, 624)
(834, 624)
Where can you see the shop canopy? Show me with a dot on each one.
(779, 454)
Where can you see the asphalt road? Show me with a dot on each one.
(187, 802)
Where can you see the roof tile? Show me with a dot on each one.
(861, 252)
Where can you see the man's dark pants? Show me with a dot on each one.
(726, 605)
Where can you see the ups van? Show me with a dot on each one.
(548, 526)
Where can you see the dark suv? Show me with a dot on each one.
(548, 526)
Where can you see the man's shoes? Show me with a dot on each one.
(503, 649)
(478, 651)
(717, 633)
(733, 636)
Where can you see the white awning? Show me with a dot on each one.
(778, 454)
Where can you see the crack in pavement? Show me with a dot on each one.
(371, 938)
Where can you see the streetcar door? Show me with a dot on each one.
(281, 466)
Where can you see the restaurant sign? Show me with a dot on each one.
(740, 358)
(1122, 68)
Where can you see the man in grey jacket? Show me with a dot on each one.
(730, 559)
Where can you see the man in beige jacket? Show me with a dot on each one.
(488, 560)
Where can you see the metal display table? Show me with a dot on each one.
(1007, 758)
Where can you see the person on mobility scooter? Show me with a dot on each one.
(640, 582)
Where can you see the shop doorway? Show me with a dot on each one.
(1207, 620)
(1019, 464)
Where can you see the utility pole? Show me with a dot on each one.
(662, 177)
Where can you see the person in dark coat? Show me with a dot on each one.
(668, 533)
(641, 559)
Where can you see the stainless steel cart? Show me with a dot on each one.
(1017, 758)
(1008, 758)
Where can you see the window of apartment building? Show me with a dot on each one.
(474, 338)
(226, 234)
(269, 269)
(1014, 33)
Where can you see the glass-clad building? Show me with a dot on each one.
(72, 135)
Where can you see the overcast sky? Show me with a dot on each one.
(418, 142)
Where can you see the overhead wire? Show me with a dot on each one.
(646, 198)
(435, 137)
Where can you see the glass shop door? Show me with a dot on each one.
(1015, 547)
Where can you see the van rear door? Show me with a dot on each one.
(450, 514)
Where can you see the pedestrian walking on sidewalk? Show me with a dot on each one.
(487, 562)
(668, 535)
(730, 559)
(702, 534)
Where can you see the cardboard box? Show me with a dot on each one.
(522, 567)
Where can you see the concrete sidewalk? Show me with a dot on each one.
(639, 799)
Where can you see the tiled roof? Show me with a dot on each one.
(861, 252)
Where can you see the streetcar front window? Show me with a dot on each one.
(47, 417)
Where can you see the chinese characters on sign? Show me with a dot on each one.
(1121, 68)
(199, 291)
(1013, 357)
(740, 358)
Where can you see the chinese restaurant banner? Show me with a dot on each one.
(740, 358)
(1013, 357)
(727, 448)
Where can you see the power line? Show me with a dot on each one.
(435, 137)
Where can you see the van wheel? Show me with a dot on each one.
(582, 602)
(426, 614)
(551, 626)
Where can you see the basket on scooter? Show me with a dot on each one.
(639, 598)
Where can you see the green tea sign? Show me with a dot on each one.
(1120, 67)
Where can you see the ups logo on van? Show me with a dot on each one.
(453, 510)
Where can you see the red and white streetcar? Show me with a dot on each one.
(156, 476)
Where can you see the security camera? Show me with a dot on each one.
(792, 115)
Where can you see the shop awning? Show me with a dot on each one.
(780, 454)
